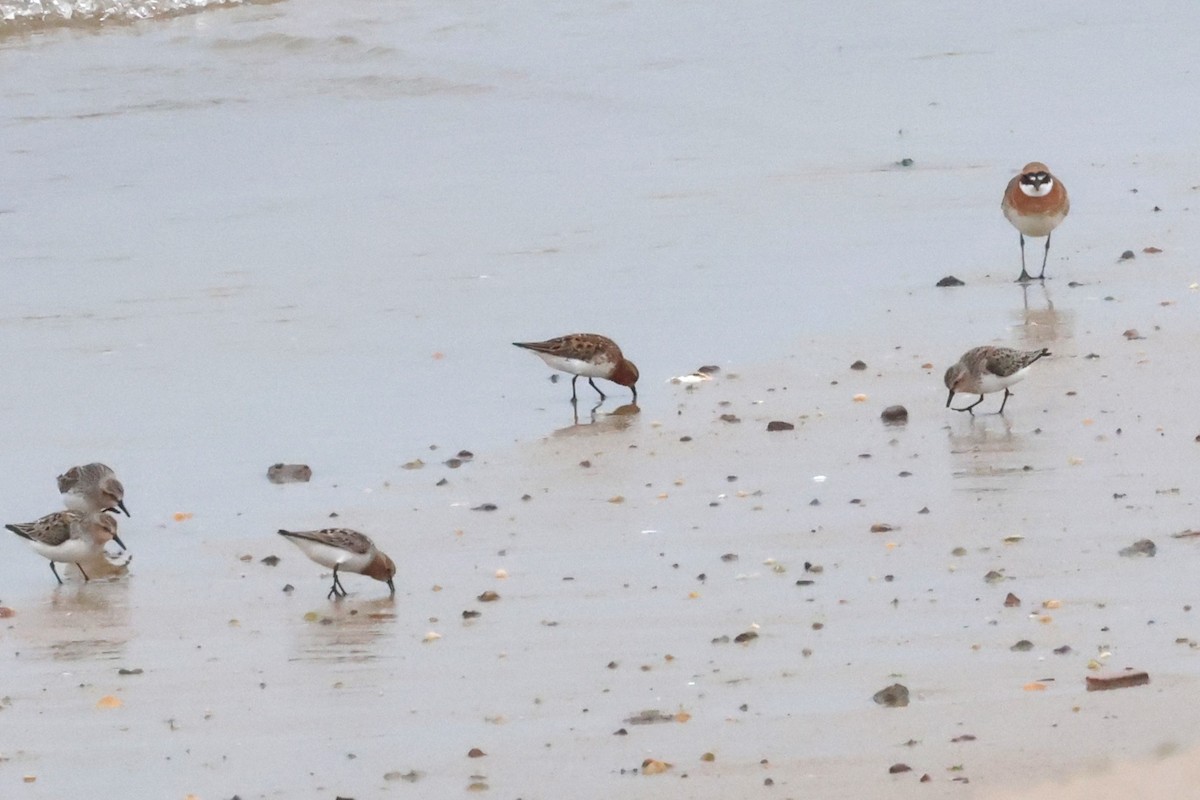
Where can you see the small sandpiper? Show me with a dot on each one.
(69, 537)
(342, 548)
(92, 487)
(590, 355)
(987, 369)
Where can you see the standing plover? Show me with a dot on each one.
(1035, 202)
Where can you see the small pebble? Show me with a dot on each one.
(894, 696)
(1142, 547)
(289, 473)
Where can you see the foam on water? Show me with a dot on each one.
(26, 14)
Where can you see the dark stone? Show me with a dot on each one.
(289, 473)
(1142, 547)
(894, 696)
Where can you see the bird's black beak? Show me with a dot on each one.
(121, 505)
(948, 399)
(391, 586)
(117, 539)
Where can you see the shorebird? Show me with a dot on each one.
(587, 354)
(69, 537)
(342, 548)
(983, 370)
(1035, 202)
(92, 487)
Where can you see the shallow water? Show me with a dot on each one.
(280, 232)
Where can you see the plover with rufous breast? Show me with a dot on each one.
(1035, 202)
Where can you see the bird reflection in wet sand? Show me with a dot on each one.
(342, 548)
(589, 355)
(95, 625)
(616, 420)
(1041, 326)
(351, 631)
(987, 369)
(986, 434)
(70, 537)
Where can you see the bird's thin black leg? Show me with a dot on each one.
(336, 589)
(1045, 255)
(574, 399)
(55, 571)
(1002, 402)
(634, 388)
(81, 572)
(1025, 276)
(968, 408)
(597, 388)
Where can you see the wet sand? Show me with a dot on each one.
(634, 549)
(205, 300)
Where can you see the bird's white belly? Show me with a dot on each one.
(330, 557)
(577, 366)
(69, 552)
(77, 502)
(1034, 224)
(989, 383)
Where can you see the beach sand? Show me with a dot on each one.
(281, 233)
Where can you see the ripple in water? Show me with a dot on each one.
(25, 14)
